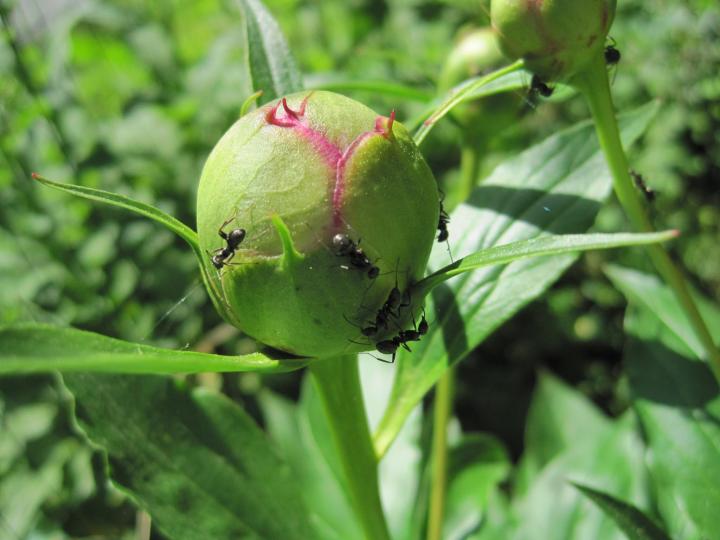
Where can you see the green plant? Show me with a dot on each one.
(200, 465)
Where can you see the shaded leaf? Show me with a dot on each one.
(194, 460)
(678, 402)
(32, 348)
(272, 66)
(554, 187)
(635, 524)
(559, 417)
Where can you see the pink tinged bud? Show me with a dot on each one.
(325, 165)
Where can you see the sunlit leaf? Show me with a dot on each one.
(272, 66)
(194, 460)
(554, 187)
(34, 348)
(678, 402)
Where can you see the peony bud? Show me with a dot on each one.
(556, 38)
(337, 207)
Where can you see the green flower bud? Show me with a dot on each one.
(477, 52)
(337, 207)
(556, 38)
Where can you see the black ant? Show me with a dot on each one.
(443, 221)
(390, 346)
(222, 256)
(537, 86)
(646, 190)
(612, 55)
(345, 246)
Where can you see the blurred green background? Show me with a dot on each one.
(130, 96)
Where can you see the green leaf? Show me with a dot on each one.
(477, 465)
(210, 276)
(552, 509)
(559, 417)
(538, 247)
(301, 432)
(458, 94)
(272, 66)
(386, 88)
(634, 523)
(32, 348)
(678, 402)
(554, 187)
(510, 82)
(194, 460)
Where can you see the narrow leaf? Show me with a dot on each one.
(555, 187)
(541, 246)
(33, 348)
(458, 94)
(633, 522)
(194, 460)
(510, 82)
(210, 276)
(272, 66)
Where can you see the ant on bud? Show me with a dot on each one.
(443, 221)
(646, 190)
(612, 55)
(537, 86)
(345, 246)
(391, 346)
(222, 256)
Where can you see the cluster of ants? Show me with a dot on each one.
(346, 247)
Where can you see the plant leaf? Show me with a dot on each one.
(559, 417)
(33, 348)
(210, 276)
(458, 94)
(272, 66)
(194, 460)
(554, 187)
(386, 88)
(538, 247)
(478, 463)
(510, 82)
(634, 523)
(602, 452)
(301, 432)
(678, 402)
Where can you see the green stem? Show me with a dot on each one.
(469, 167)
(438, 471)
(594, 84)
(338, 384)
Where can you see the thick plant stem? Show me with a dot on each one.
(338, 384)
(593, 83)
(439, 456)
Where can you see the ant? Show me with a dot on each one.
(612, 55)
(345, 246)
(537, 86)
(443, 222)
(646, 190)
(390, 346)
(222, 256)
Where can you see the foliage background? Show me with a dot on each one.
(130, 96)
